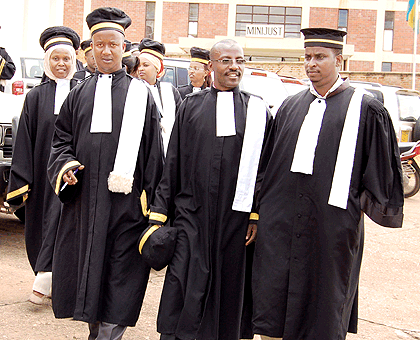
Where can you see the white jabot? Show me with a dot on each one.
(303, 158)
(250, 154)
(340, 187)
(61, 91)
(225, 114)
(121, 178)
(102, 105)
(155, 93)
(166, 107)
(196, 89)
(169, 109)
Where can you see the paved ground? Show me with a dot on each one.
(389, 288)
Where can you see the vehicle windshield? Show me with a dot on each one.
(409, 107)
(32, 67)
(272, 90)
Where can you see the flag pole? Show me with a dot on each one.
(416, 29)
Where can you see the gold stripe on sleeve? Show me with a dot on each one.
(143, 240)
(143, 201)
(3, 62)
(17, 192)
(157, 217)
(254, 216)
(64, 169)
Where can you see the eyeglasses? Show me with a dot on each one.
(226, 62)
(195, 69)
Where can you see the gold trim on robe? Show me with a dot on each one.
(18, 192)
(64, 169)
(157, 217)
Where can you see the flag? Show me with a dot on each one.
(411, 13)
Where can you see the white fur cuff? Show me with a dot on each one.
(120, 183)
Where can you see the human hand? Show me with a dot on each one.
(251, 234)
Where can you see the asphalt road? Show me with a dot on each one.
(389, 297)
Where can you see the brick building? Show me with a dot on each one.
(379, 38)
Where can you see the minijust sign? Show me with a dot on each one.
(268, 31)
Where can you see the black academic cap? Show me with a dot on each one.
(108, 18)
(323, 37)
(200, 55)
(59, 35)
(157, 245)
(153, 47)
(85, 45)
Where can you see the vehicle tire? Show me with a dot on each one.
(416, 131)
(411, 180)
(20, 214)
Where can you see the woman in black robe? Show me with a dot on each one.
(28, 174)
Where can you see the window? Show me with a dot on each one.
(288, 17)
(343, 15)
(193, 21)
(389, 31)
(386, 67)
(150, 20)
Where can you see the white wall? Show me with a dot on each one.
(24, 21)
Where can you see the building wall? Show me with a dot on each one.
(73, 16)
(362, 30)
(403, 35)
(212, 20)
(175, 21)
(323, 17)
(357, 65)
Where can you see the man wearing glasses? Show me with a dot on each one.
(206, 192)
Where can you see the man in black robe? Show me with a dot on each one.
(198, 72)
(332, 155)
(90, 67)
(206, 192)
(108, 130)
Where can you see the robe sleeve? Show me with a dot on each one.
(7, 67)
(382, 195)
(62, 158)
(153, 154)
(165, 193)
(21, 171)
(177, 98)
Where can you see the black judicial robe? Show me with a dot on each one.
(187, 89)
(203, 291)
(98, 274)
(7, 67)
(82, 74)
(28, 173)
(308, 253)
